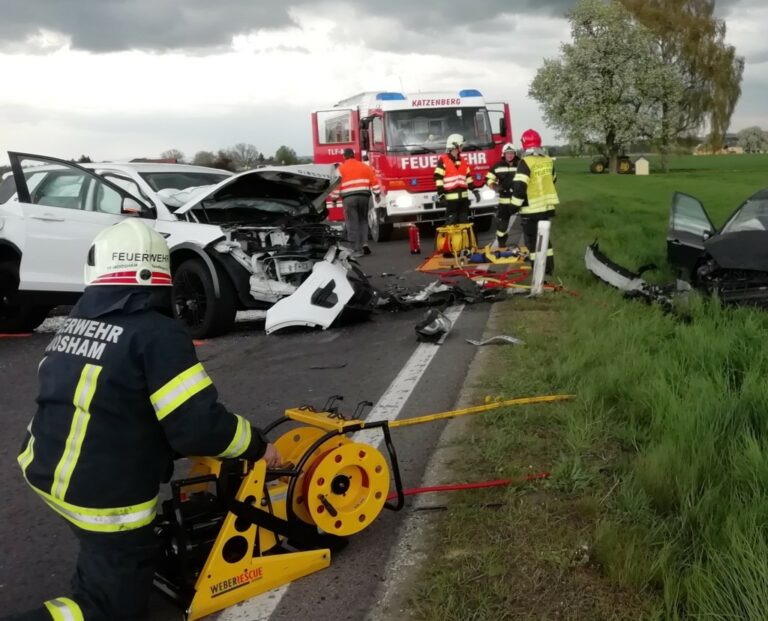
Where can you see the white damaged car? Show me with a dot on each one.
(237, 241)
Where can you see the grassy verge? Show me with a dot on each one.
(657, 505)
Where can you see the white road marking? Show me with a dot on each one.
(388, 407)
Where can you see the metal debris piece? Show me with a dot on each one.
(502, 339)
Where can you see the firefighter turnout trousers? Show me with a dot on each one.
(112, 580)
(530, 225)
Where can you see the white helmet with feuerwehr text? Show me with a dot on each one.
(129, 253)
(454, 141)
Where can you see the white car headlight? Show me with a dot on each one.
(487, 194)
(404, 201)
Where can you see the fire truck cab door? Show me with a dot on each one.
(498, 113)
(333, 131)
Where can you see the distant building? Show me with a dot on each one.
(730, 146)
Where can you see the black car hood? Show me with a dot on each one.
(747, 250)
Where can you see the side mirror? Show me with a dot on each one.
(131, 207)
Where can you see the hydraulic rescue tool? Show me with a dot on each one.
(233, 529)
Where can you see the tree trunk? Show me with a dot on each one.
(613, 152)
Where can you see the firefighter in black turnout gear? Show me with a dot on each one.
(122, 394)
(500, 177)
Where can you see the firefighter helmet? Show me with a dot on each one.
(508, 147)
(531, 139)
(129, 253)
(455, 141)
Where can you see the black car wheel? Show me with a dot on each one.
(16, 316)
(195, 302)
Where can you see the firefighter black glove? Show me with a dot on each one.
(476, 195)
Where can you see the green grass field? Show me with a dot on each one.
(658, 503)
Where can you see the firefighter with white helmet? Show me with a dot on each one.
(453, 179)
(534, 193)
(121, 394)
(500, 178)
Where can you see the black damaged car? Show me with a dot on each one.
(732, 261)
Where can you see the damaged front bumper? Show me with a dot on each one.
(631, 283)
(335, 287)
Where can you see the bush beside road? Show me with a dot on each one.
(659, 490)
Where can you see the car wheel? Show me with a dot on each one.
(16, 316)
(598, 168)
(482, 223)
(379, 231)
(195, 302)
(625, 167)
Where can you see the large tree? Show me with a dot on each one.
(285, 155)
(691, 40)
(204, 158)
(244, 156)
(173, 154)
(753, 140)
(608, 86)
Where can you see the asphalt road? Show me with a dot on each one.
(257, 376)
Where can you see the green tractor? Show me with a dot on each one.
(600, 165)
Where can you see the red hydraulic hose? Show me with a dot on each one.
(453, 487)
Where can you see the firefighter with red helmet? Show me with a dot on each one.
(453, 179)
(500, 177)
(121, 394)
(534, 193)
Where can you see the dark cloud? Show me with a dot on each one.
(163, 25)
(112, 25)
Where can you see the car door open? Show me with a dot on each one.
(64, 209)
(689, 228)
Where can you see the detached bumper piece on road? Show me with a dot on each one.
(631, 283)
(335, 288)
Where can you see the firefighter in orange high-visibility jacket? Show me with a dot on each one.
(358, 185)
(121, 394)
(533, 192)
(453, 180)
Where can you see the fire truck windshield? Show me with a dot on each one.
(428, 128)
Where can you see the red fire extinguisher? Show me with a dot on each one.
(414, 239)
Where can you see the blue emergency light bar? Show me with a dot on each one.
(470, 92)
(390, 96)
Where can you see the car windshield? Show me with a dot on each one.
(429, 128)
(180, 180)
(751, 216)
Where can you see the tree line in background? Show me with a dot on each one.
(656, 71)
(242, 156)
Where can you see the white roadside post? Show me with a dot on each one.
(540, 262)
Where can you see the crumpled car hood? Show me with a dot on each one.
(313, 182)
(747, 250)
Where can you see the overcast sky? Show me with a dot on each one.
(125, 78)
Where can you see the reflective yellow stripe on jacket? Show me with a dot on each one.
(240, 441)
(541, 193)
(108, 520)
(179, 390)
(84, 392)
(64, 609)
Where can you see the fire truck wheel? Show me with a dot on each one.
(379, 231)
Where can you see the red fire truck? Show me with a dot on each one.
(401, 135)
